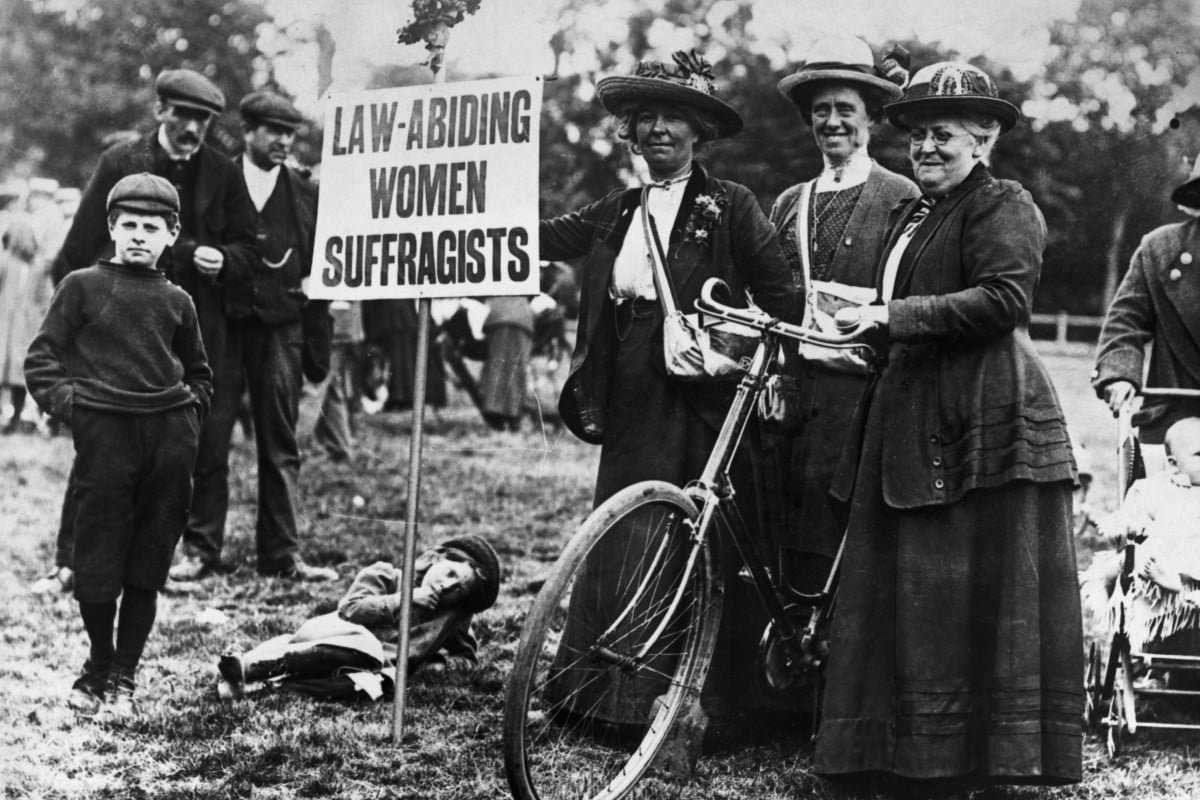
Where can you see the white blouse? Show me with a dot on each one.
(632, 275)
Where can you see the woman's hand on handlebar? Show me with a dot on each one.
(852, 317)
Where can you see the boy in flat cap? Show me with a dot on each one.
(267, 318)
(119, 358)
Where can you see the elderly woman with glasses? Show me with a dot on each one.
(956, 646)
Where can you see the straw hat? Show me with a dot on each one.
(845, 59)
(949, 87)
(689, 81)
(1187, 194)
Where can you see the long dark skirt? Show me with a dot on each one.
(956, 649)
(813, 521)
(653, 433)
(503, 381)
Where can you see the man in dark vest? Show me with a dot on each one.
(265, 352)
(215, 248)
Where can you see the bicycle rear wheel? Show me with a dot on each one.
(619, 638)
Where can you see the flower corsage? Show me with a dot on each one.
(706, 212)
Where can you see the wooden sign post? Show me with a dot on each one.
(428, 192)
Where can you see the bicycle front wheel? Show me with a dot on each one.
(618, 640)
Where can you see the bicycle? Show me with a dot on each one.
(670, 594)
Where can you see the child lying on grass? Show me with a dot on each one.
(1161, 511)
(354, 649)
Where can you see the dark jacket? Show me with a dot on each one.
(223, 217)
(968, 402)
(858, 252)
(373, 601)
(742, 250)
(274, 295)
(1159, 302)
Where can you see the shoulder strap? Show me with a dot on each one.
(662, 278)
(802, 246)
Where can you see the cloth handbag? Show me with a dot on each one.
(823, 299)
(693, 350)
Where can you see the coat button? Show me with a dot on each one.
(1175, 274)
(1185, 258)
(937, 461)
(933, 439)
(939, 484)
(849, 241)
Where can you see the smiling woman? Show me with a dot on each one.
(956, 648)
(832, 229)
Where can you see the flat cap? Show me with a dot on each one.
(260, 107)
(185, 87)
(144, 192)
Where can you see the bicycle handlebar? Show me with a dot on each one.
(760, 320)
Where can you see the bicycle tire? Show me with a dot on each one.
(554, 745)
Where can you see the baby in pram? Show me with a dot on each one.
(1161, 513)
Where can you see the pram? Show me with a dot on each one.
(1112, 695)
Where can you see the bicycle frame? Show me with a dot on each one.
(713, 490)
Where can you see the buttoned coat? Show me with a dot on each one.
(741, 249)
(967, 402)
(223, 218)
(1158, 301)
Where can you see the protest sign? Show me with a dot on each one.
(429, 191)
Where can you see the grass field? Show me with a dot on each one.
(526, 492)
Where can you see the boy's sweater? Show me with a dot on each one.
(121, 339)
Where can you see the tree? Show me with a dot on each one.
(1113, 132)
(73, 73)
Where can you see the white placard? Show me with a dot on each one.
(429, 191)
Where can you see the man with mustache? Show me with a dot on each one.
(216, 244)
(272, 336)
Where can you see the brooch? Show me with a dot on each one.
(706, 212)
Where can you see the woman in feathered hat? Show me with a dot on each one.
(956, 647)
(618, 393)
(832, 230)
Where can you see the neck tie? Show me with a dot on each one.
(919, 215)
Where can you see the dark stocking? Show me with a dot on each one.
(138, 607)
(98, 621)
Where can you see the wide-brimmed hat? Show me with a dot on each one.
(845, 59)
(1187, 194)
(689, 81)
(950, 87)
